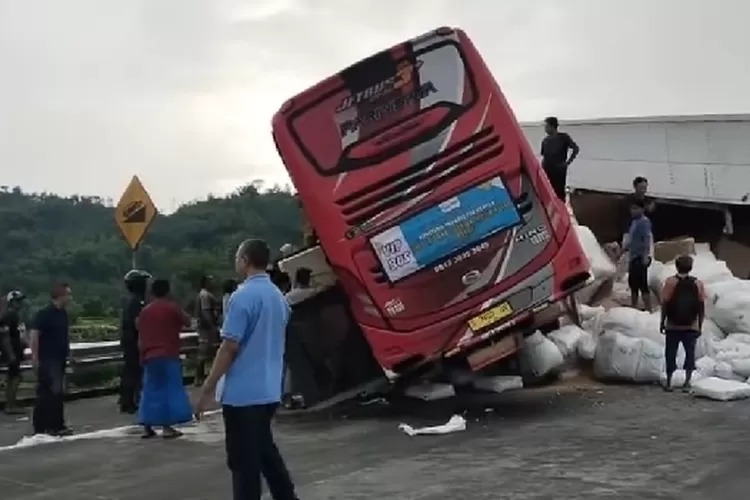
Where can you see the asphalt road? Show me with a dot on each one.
(565, 442)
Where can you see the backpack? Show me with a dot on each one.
(685, 304)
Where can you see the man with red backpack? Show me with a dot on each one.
(682, 314)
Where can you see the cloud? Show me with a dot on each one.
(181, 92)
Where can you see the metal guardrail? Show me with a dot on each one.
(84, 354)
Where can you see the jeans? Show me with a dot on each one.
(49, 413)
(251, 451)
(688, 339)
(558, 178)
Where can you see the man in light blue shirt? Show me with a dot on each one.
(246, 377)
(639, 243)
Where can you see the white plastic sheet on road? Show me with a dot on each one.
(457, 423)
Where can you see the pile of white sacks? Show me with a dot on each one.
(626, 345)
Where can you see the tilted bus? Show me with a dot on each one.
(429, 205)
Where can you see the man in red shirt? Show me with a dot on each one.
(164, 401)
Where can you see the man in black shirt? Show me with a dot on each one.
(11, 348)
(136, 283)
(555, 160)
(50, 347)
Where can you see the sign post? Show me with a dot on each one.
(134, 214)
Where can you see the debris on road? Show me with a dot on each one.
(457, 423)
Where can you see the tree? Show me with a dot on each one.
(45, 238)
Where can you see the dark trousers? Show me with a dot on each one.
(49, 413)
(688, 339)
(251, 451)
(130, 376)
(558, 177)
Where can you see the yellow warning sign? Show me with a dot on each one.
(135, 212)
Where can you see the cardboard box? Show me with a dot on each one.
(667, 251)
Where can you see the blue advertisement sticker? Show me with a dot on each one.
(436, 233)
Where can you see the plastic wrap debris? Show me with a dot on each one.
(430, 392)
(586, 346)
(721, 390)
(541, 354)
(566, 339)
(499, 383)
(456, 423)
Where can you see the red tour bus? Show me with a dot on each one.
(428, 203)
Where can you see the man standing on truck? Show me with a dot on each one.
(555, 160)
(249, 364)
(683, 298)
(638, 248)
(136, 283)
(207, 314)
(11, 348)
(640, 192)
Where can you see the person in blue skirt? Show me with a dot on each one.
(164, 401)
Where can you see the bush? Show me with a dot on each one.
(94, 332)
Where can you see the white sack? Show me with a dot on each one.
(741, 367)
(711, 334)
(617, 356)
(633, 323)
(587, 313)
(601, 265)
(498, 383)
(706, 366)
(650, 363)
(678, 378)
(541, 354)
(566, 339)
(729, 306)
(655, 272)
(586, 346)
(725, 371)
(705, 267)
(621, 357)
(721, 390)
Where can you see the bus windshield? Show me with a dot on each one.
(382, 106)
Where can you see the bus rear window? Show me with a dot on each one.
(384, 105)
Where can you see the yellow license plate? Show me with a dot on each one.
(490, 316)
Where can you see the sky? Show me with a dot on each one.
(181, 92)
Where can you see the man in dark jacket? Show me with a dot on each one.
(11, 348)
(50, 347)
(136, 283)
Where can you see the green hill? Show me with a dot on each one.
(45, 238)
